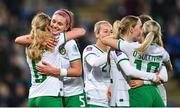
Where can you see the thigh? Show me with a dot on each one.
(140, 97)
(157, 99)
(49, 101)
(75, 101)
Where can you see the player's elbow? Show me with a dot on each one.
(170, 69)
(165, 79)
(17, 40)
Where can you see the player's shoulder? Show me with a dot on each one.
(89, 48)
(117, 52)
(156, 49)
(70, 43)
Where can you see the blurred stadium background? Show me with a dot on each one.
(16, 15)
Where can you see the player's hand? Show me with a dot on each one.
(136, 83)
(51, 43)
(158, 81)
(101, 38)
(45, 68)
(108, 93)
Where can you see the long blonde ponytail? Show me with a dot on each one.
(152, 32)
(40, 35)
(148, 40)
(117, 28)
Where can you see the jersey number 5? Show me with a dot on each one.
(38, 78)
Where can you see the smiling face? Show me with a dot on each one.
(62, 21)
(58, 23)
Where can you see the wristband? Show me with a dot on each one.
(63, 72)
(147, 82)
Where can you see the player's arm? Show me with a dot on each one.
(24, 40)
(167, 61)
(129, 70)
(96, 61)
(74, 71)
(110, 41)
(122, 60)
(168, 65)
(108, 93)
(162, 75)
(75, 33)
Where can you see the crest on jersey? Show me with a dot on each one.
(89, 49)
(118, 52)
(62, 50)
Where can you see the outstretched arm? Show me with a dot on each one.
(110, 41)
(122, 60)
(24, 40)
(162, 75)
(129, 70)
(75, 33)
(74, 71)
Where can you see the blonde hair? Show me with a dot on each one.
(122, 27)
(40, 35)
(145, 18)
(97, 26)
(152, 32)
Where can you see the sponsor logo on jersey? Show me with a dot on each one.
(89, 49)
(118, 52)
(57, 33)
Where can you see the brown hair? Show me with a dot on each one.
(68, 15)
